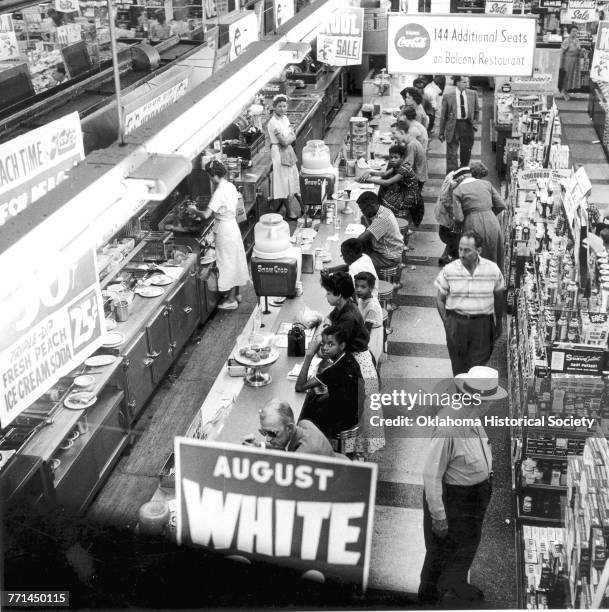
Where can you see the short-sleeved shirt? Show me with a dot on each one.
(373, 313)
(364, 264)
(417, 158)
(470, 293)
(350, 320)
(224, 201)
(387, 239)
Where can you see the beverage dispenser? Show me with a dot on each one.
(317, 175)
(275, 263)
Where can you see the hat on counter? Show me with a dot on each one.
(482, 381)
(461, 172)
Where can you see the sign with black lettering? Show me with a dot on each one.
(340, 43)
(34, 163)
(297, 510)
(574, 359)
(49, 325)
(499, 7)
(482, 45)
(581, 10)
(599, 70)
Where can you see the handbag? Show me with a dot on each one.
(240, 213)
(287, 156)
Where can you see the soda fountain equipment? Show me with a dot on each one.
(317, 175)
(275, 263)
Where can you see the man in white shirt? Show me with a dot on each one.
(356, 261)
(432, 95)
(457, 489)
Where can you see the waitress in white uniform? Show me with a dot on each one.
(232, 265)
(286, 181)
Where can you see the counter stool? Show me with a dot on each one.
(392, 275)
(386, 332)
(344, 441)
(405, 231)
(385, 297)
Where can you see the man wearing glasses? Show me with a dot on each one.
(280, 432)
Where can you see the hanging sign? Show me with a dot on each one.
(9, 47)
(599, 70)
(479, 45)
(36, 162)
(499, 7)
(297, 510)
(136, 114)
(581, 10)
(67, 6)
(340, 44)
(241, 34)
(49, 324)
(6, 22)
(284, 10)
(550, 4)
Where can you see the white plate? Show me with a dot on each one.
(110, 324)
(207, 261)
(113, 339)
(86, 380)
(272, 358)
(100, 360)
(150, 292)
(160, 280)
(70, 402)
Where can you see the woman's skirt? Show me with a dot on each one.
(369, 438)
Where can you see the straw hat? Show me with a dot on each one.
(483, 381)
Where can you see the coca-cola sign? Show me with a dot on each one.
(412, 41)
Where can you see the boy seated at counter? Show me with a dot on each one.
(335, 394)
(280, 432)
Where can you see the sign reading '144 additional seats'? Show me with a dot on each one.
(297, 510)
(482, 45)
(340, 44)
(49, 324)
(599, 70)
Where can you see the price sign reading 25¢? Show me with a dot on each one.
(84, 320)
(51, 323)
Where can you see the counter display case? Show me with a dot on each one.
(63, 455)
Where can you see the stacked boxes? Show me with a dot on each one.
(545, 562)
(587, 519)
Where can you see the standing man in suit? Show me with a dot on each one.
(458, 120)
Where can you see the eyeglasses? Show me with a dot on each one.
(268, 433)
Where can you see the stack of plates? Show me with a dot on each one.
(99, 360)
(113, 339)
(150, 292)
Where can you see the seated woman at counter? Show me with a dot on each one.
(335, 394)
(340, 292)
(286, 180)
(399, 190)
(230, 252)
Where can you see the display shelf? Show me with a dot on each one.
(104, 406)
(539, 485)
(112, 270)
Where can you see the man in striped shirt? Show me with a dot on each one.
(381, 240)
(470, 301)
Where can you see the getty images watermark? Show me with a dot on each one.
(416, 408)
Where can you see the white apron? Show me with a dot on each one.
(232, 265)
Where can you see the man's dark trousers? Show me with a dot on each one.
(462, 141)
(469, 341)
(447, 560)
